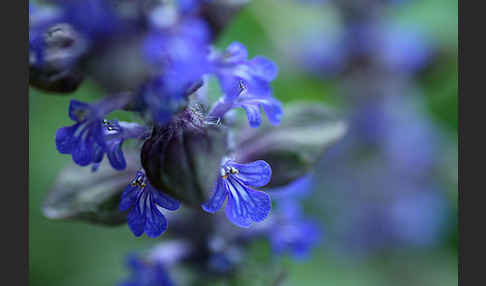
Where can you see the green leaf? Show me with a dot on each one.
(80, 194)
(296, 145)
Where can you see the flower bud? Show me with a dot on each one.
(293, 147)
(183, 157)
(54, 60)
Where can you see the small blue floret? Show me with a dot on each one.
(245, 205)
(145, 204)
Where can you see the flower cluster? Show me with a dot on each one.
(184, 155)
(390, 154)
(175, 48)
(361, 39)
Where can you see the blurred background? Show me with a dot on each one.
(385, 195)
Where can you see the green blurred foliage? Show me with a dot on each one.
(70, 253)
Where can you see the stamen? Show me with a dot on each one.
(233, 170)
(139, 181)
(228, 170)
(242, 87)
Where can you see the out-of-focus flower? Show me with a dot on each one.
(328, 51)
(245, 205)
(418, 219)
(178, 54)
(289, 230)
(404, 49)
(380, 190)
(98, 20)
(146, 273)
(293, 233)
(145, 204)
(319, 51)
(152, 57)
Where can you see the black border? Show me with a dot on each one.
(15, 134)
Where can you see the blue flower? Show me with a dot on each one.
(159, 102)
(84, 139)
(405, 49)
(146, 273)
(293, 233)
(319, 51)
(246, 84)
(390, 153)
(178, 53)
(97, 19)
(91, 137)
(245, 205)
(180, 50)
(289, 230)
(145, 204)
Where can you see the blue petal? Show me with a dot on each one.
(256, 87)
(115, 155)
(98, 153)
(253, 114)
(96, 133)
(255, 174)
(82, 154)
(78, 110)
(165, 201)
(236, 52)
(65, 139)
(246, 205)
(274, 111)
(155, 223)
(145, 216)
(134, 262)
(264, 68)
(218, 198)
(230, 86)
(297, 237)
(251, 104)
(195, 30)
(263, 205)
(129, 198)
(136, 221)
(233, 214)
